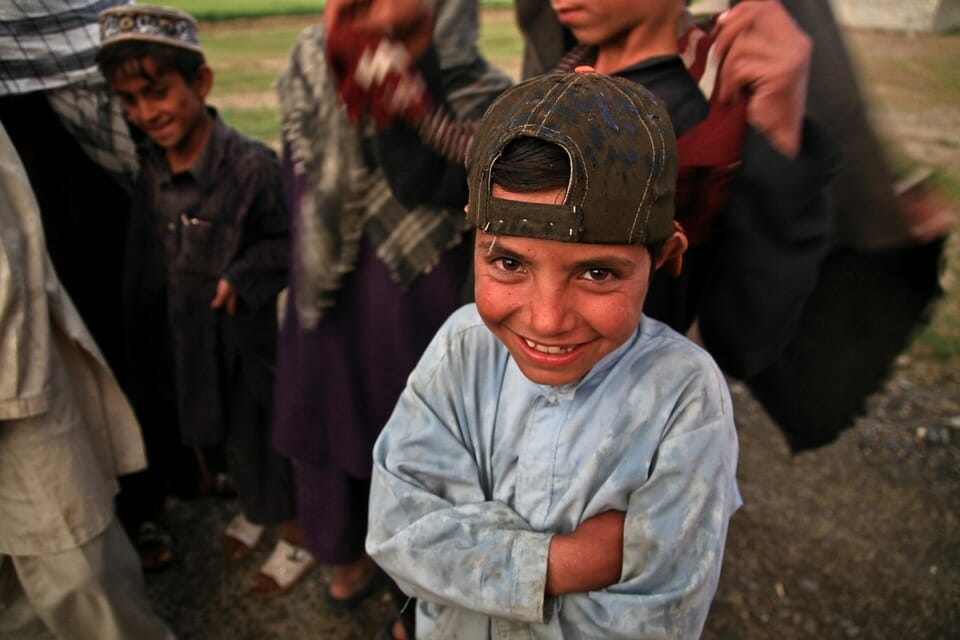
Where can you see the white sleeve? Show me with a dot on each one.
(432, 525)
(674, 533)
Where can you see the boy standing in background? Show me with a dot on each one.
(209, 236)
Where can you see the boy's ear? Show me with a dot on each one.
(670, 259)
(203, 82)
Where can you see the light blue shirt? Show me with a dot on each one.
(478, 467)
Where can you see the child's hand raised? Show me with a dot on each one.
(588, 558)
(226, 297)
(409, 22)
(766, 56)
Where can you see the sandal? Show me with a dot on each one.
(240, 537)
(154, 546)
(284, 568)
(223, 486)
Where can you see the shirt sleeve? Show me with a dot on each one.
(674, 533)
(416, 173)
(432, 526)
(778, 229)
(258, 272)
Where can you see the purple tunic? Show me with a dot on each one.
(336, 384)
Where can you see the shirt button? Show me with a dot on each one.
(172, 226)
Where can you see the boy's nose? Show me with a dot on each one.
(143, 111)
(550, 311)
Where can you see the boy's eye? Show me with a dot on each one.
(507, 264)
(598, 274)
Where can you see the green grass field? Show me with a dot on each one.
(221, 10)
(248, 57)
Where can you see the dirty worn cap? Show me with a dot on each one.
(145, 23)
(623, 160)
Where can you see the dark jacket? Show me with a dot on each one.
(234, 226)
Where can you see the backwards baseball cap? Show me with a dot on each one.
(145, 23)
(623, 160)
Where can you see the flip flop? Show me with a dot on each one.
(241, 536)
(154, 546)
(285, 566)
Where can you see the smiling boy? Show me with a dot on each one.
(560, 465)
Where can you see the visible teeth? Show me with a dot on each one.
(548, 349)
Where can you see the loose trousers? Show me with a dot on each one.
(93, 591)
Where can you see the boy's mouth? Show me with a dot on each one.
(550, 349)
(157, 133)
(565, 12)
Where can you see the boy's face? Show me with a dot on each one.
(559, 307)
(596, 22)
(167, 108)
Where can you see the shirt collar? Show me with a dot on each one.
(206, 166)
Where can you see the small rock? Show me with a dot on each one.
(954, 422)
(779, 590)
(921, 433)
(808, 585)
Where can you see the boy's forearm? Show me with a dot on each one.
(588, 558)
(479, 556)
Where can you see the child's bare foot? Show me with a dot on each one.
(351, 584)
(399, 633)
(393, 631)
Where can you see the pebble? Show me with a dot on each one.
(808, 585)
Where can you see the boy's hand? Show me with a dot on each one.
(409, 22)
(766, 56)
(375, 75)
(226, 297)
(588, 558)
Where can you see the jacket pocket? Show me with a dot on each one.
(205, 247)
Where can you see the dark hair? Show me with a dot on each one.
(531, 164)
(127, 58)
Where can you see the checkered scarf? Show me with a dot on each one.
(50, 46)
(346, 199)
